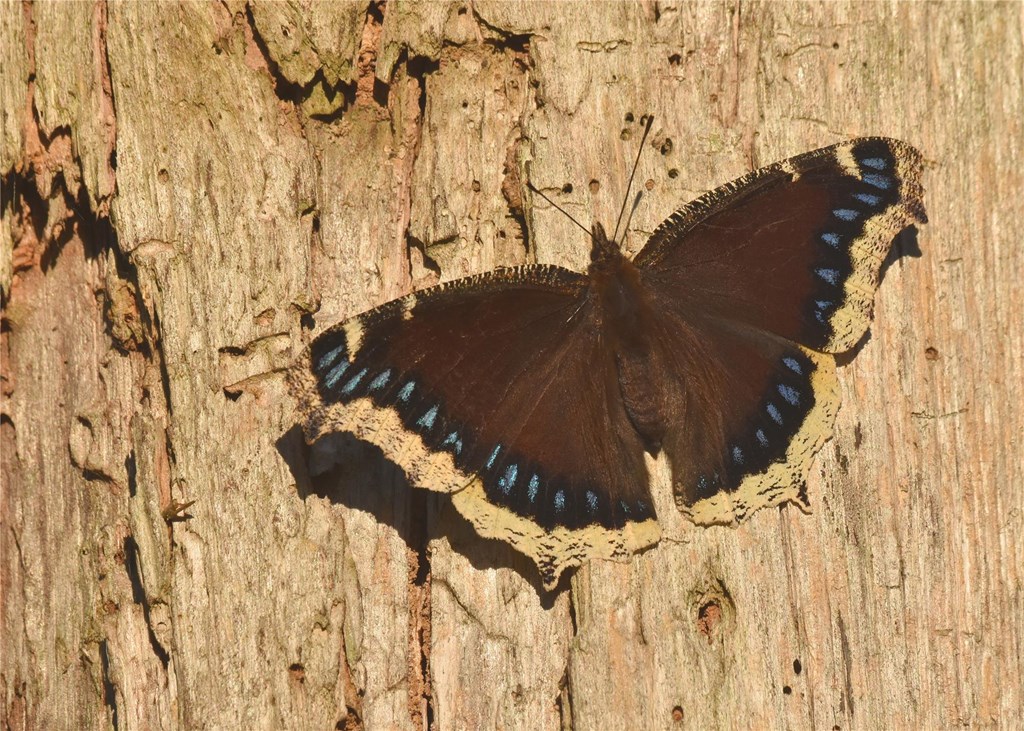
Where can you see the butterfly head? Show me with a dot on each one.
(603, 250)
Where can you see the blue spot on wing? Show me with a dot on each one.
(793, 364)
(761, 438)
(882, 182)
(494, 456)
(509, 479)
(335, 374)
(737, 455)
(874, 162)
(774, 412)
(455, 441)
(380, 381)
(354, 382)
(791, 395)
(829, 275)
(591, 499)
(871, 200)
(406, 393)
(328, 358)
(846, 214)
(427, 420)
(560, 500)
(531, 489)
(831, 239)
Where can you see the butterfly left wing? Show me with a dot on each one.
(497, 389)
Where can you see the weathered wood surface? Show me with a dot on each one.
(184, 185)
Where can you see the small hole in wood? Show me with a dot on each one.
(708, 618)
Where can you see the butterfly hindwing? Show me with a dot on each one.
(794, 248)
(747, 411)
(495, 389)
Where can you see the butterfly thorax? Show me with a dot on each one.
(627, 319)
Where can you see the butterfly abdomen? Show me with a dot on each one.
(629, 330)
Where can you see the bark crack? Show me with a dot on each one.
(421, 706)
(131, 566)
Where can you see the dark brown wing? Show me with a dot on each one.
(495, 388)
(794, 248)
(745, 412)
(750, 281)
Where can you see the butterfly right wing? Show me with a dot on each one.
(796, 247)
(756, 282)
(745, 412)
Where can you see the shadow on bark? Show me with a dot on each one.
(356, 474)
(904, 245)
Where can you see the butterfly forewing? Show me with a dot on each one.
(794, 248)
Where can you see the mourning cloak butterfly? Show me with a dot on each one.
(531, 394)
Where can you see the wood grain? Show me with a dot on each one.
(191, 191)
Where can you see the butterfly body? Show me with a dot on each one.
(531, 394)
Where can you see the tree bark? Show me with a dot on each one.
(191, 192)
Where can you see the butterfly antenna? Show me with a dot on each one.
(537, 190)
(625, 199)
(636, 204)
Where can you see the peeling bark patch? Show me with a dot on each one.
(107, 114)
(370, 91)
(512, 188)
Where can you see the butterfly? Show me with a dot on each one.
(532, 394)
